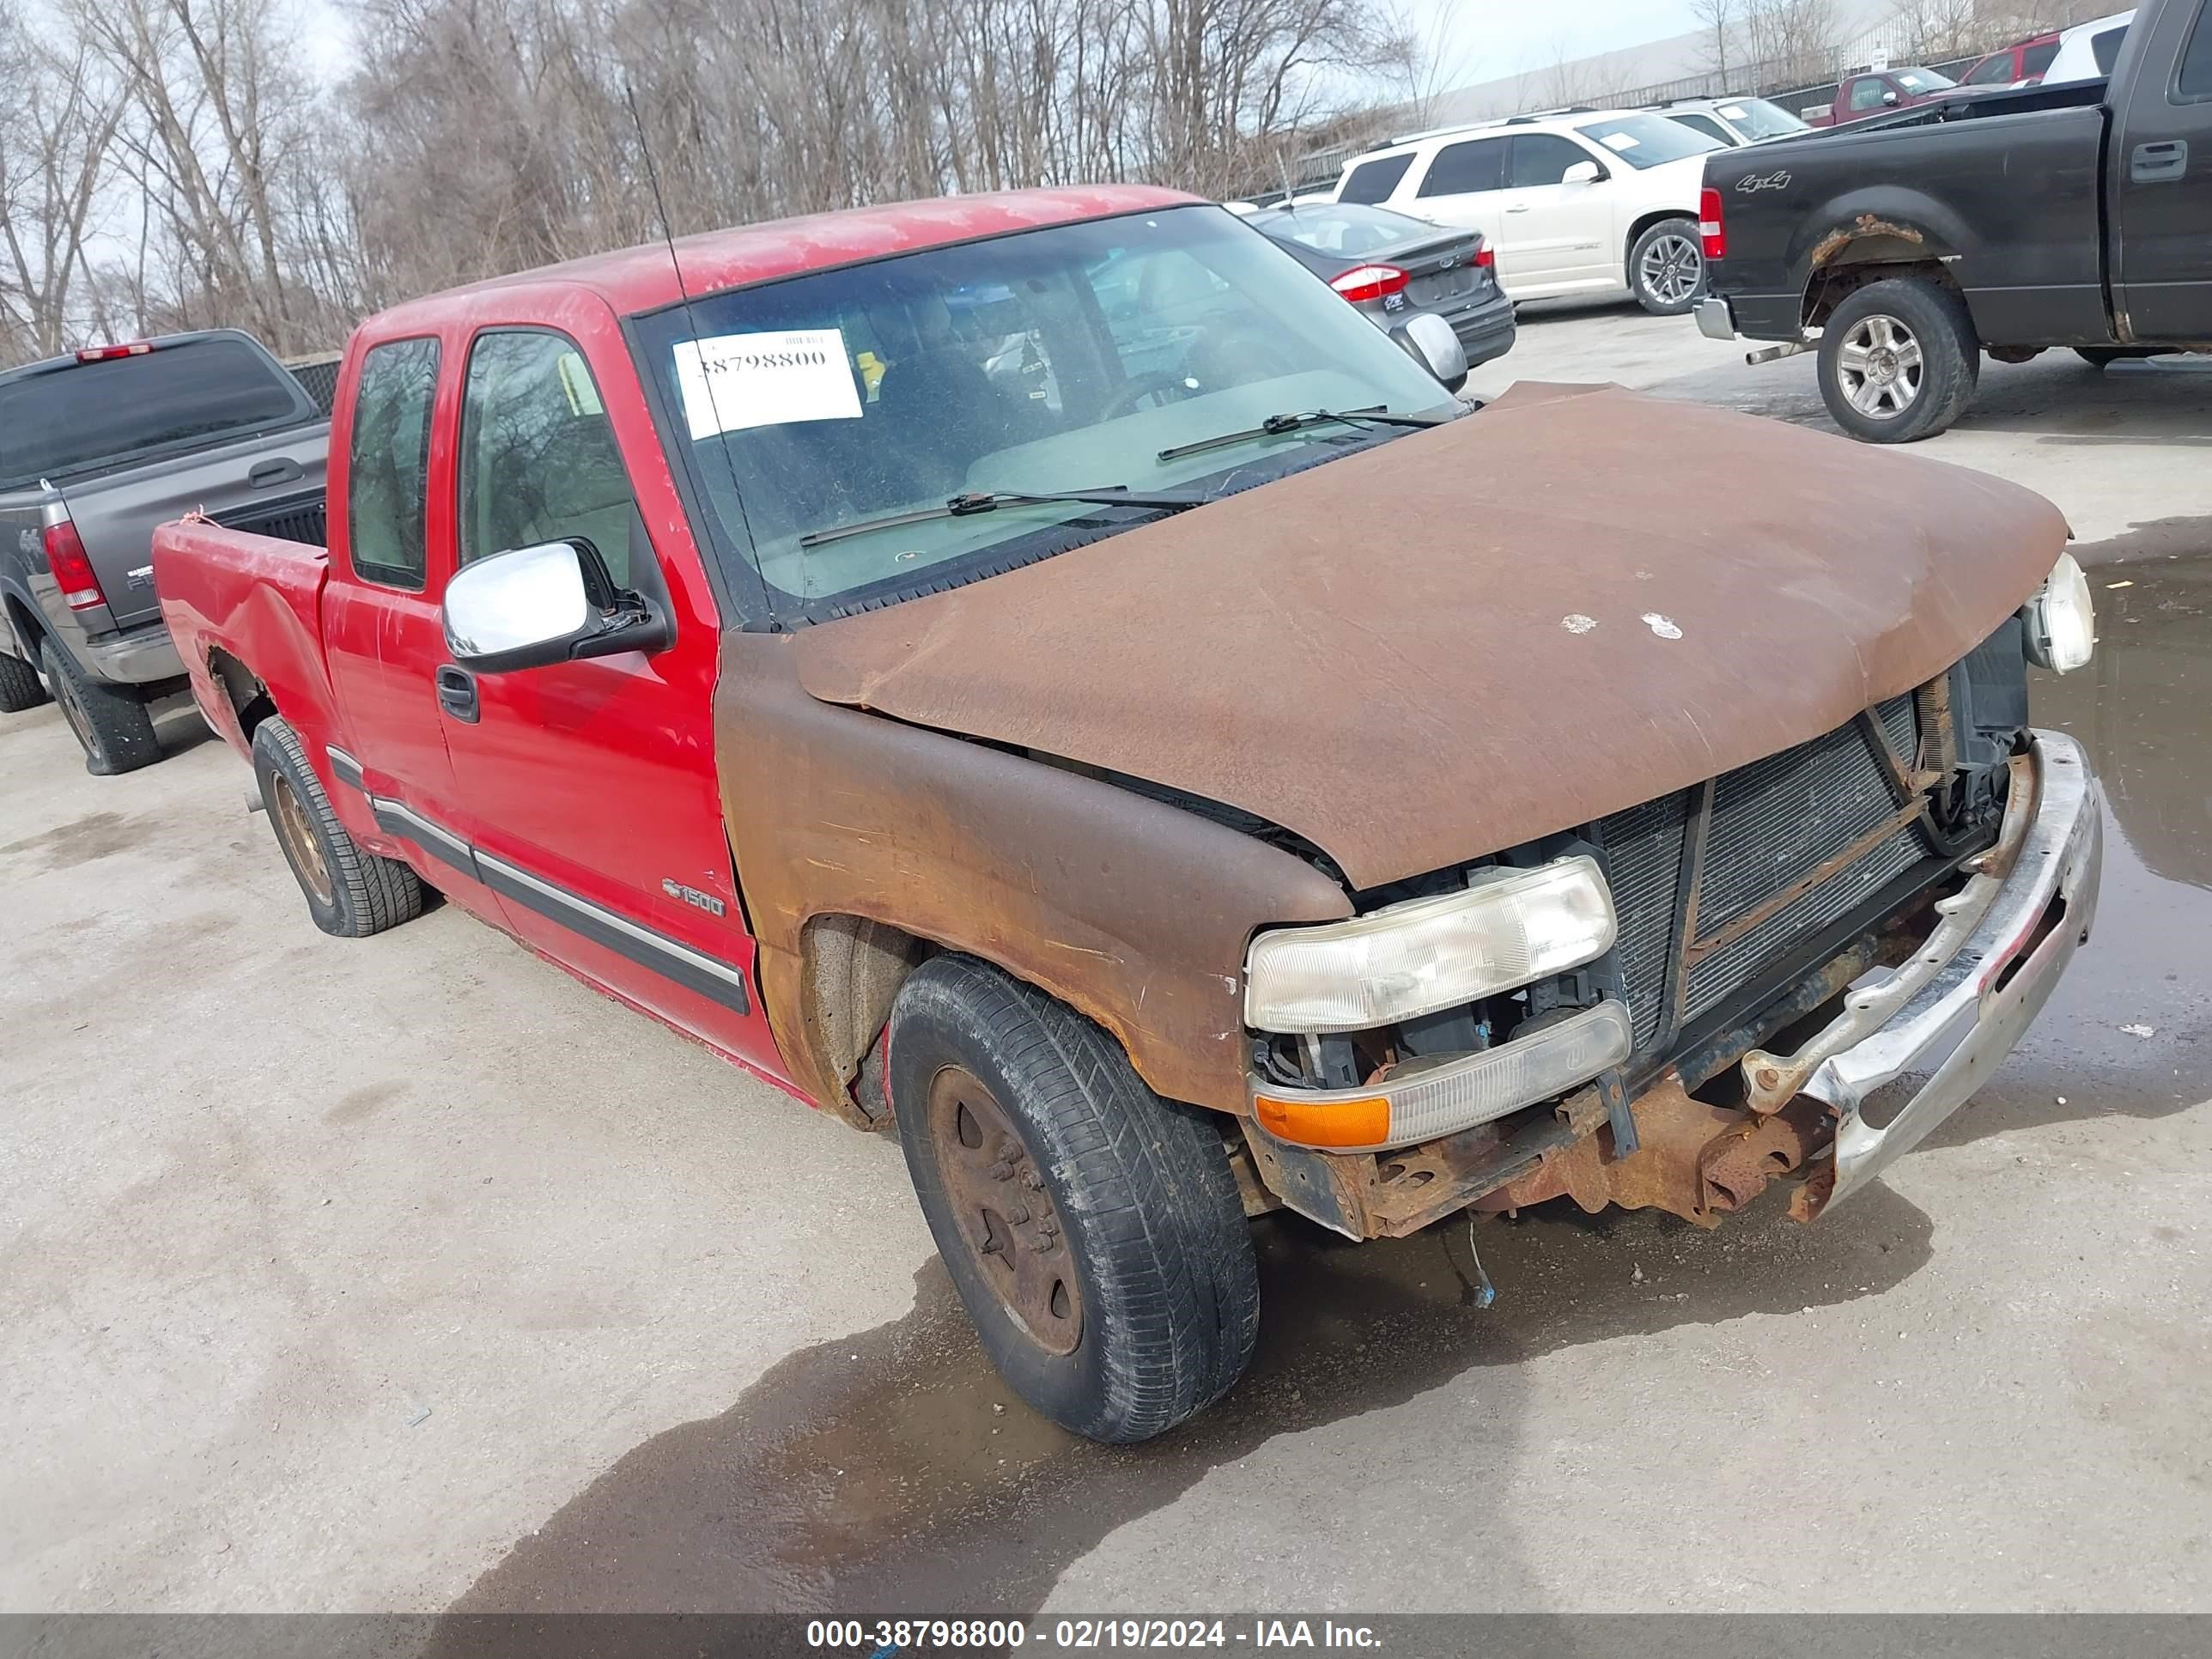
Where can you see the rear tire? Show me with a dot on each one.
(113, 728)
(350, 893)
(1898, 361)
(1094, 1230)
(2099, 357)
(20, 688)
(1666, 267)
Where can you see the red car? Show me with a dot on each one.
(1874, 92)
(2020, 64)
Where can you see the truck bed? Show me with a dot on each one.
(233, 595)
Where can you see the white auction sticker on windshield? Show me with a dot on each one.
(730, 382)
(1621, 142)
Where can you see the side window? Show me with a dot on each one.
(1543, 158)
(1373, 181)
(1866, 92)
(388, 470)
(538, 461)
(2105, 47)
(1991, 71)
(2195, 80)
(2036, 59)
(1704, 124)
(1478, 164)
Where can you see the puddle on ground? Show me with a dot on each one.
(891, 1468)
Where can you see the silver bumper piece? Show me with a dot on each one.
(1715, 321)
(1955, 1010)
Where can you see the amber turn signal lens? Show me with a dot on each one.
(1363, 1122)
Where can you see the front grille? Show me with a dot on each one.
(302, 521)
(1773, 823)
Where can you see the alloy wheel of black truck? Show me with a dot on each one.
(20, 688)
(1666, 267)
(1094, 1230)
(1898, 361)
(116, 730)
(350, 893)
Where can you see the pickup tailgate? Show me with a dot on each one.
(254, 482)
(258, 598)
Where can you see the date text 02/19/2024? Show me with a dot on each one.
(881, 1638)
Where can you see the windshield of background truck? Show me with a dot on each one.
(1756, 118)
(1059, 359)
(70, 420)
(1922, 80)
(1648, 141)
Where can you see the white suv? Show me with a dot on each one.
(1588, 202)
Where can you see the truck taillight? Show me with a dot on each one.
(65, 557)
(104, 354)
(1369, 282)
(1711, 231)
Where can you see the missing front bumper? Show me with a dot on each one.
(1954, 1011)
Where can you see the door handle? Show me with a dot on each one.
(457, 694)
(2156, 164)
(282, 469)
(1518, 207)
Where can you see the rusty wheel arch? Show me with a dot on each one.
(1869, 249)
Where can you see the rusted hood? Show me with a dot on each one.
(1574, 600)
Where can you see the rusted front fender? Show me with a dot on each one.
(1131, 911)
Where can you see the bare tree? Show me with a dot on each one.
(53, 162)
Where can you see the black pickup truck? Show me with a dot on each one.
(2078, 215)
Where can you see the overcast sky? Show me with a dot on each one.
(1477, 40)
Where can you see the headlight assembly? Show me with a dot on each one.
(2060, 620)
(1413, 958)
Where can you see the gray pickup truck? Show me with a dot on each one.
(98, 447)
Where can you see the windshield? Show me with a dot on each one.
(1922, 80)
(64, 419)
(1756, 118)
(1332, 228)
(1648, 141)
(1053, 360)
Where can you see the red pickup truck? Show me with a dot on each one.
(1041, 673)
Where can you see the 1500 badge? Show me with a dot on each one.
(693, 896)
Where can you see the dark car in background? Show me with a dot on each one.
(1393, 268)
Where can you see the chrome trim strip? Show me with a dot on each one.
(693, 969)
(346, 767)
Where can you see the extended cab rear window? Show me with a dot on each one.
(82, 415)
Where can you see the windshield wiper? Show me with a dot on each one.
(960, 507)
(1275, 425)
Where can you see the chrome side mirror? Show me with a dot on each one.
(551, 603)
(1431, 342)
(1889, 101)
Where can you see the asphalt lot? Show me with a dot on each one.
(410, 1273)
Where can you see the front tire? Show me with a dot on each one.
(350, 893)
(1093, 1230)
(114, 729)
(1666, 267)
(1898, 361)
(20, 688)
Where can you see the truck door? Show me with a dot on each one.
(588, 789)
(2159, 177)
(382, 635)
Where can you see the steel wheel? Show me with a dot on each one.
(298, 836)
(1003, 1212)
(1671, 269)
(1880, 368)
